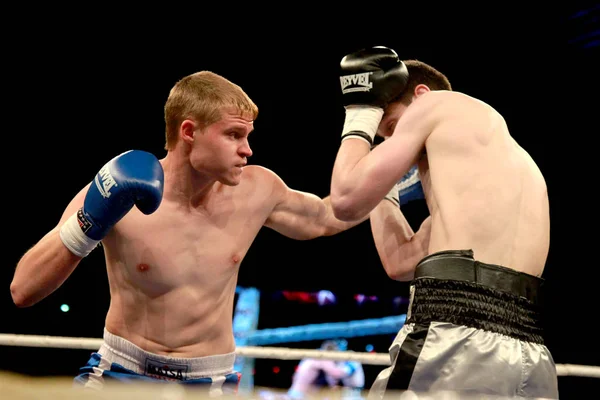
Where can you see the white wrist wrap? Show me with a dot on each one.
(362, 123)
(74, 239)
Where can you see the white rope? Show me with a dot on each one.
(61, 342)
(280, 353)
(588, 371)
(284, 353)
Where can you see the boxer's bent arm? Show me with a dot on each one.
(302, 216)
(45, 266)
(361, 178)
(399, 248)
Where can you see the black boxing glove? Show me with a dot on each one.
(370, 79)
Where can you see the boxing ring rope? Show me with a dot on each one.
(330, 330)
(280, 353)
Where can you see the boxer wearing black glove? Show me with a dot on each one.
(370, 79)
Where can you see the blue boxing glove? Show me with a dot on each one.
(407, 189)
(131, 178)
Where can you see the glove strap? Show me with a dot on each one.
(75, 239)
(361, 123)
(394, 195)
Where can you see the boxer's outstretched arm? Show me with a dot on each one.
(45, 266)
(302, 216)
(398, 246)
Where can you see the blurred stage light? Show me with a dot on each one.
(325, 297)
(64, 308)
(360, 298)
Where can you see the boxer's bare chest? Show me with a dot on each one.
(175, 246)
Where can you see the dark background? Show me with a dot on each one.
(81, 86)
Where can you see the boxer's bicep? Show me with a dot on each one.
(299, 215)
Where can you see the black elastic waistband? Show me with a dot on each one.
(450, 286)
(461, 266)
(470, 304)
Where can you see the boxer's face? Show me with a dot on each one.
(392, 114)
(222, 149)
(395, 110)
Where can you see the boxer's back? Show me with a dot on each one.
(484, 191)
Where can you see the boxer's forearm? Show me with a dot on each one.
(398, 246)
(42, 270)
